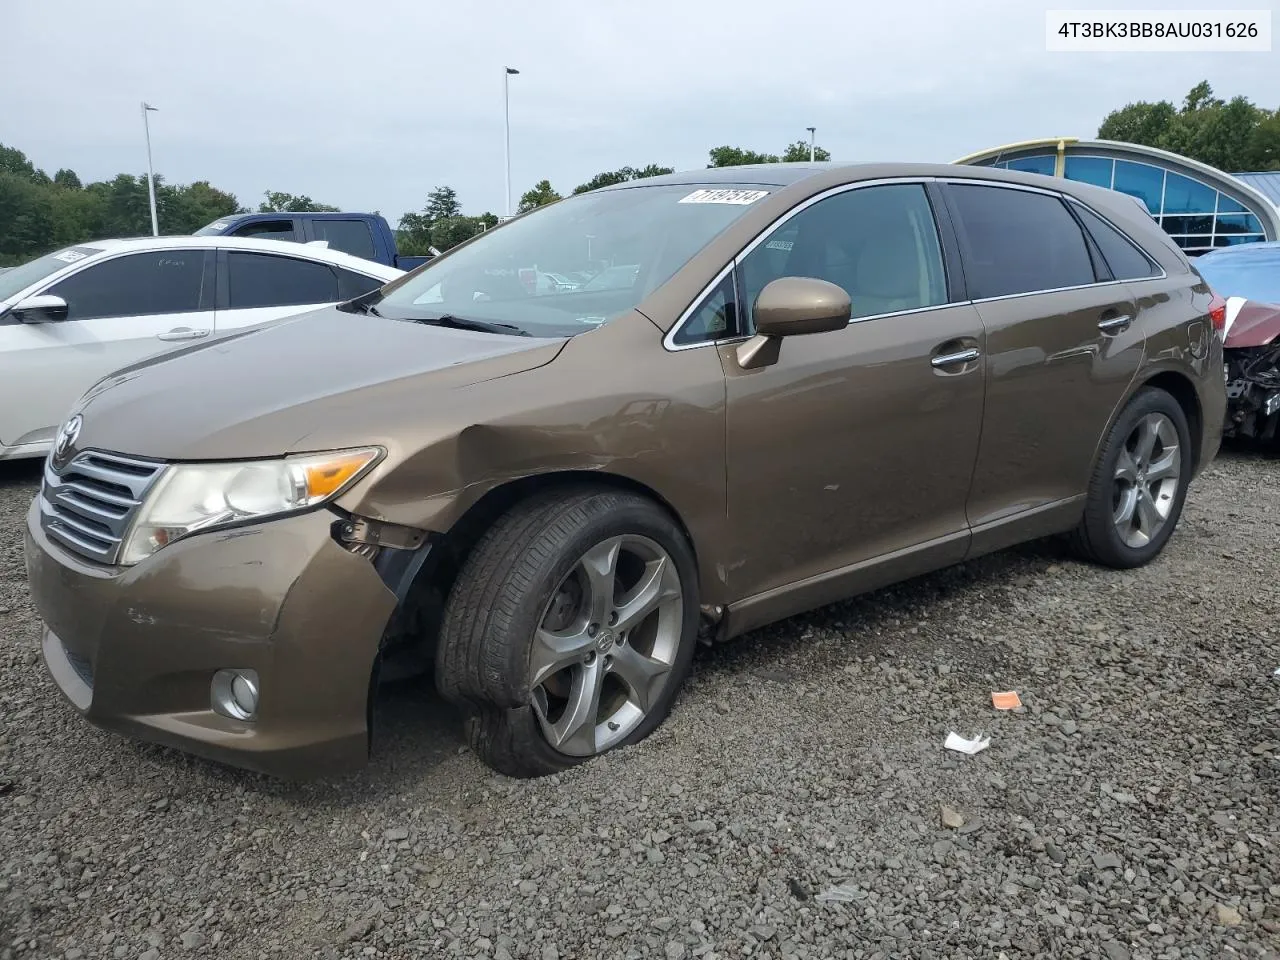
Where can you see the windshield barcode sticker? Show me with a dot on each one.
(780, 244)
(69, 256)
(740, 197)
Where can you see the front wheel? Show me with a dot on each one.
(1139, 484)
(569, 630)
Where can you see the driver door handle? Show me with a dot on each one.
(182, 333)
(960, 356)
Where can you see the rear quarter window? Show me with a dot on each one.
(1126, 261)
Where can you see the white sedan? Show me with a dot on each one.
(71, 317)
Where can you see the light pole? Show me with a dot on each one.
(506, 115)
(151, 177)
(812, 136)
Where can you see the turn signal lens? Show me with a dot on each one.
(328, 476)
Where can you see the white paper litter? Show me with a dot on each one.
(844, 893)
(958, 743)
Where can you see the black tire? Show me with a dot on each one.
(1096, 539)
(499, 598)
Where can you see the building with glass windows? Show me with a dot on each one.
(1199, 206)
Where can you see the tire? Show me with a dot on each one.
(1103, 536)
(539, 571)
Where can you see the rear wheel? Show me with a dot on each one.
(1139, 485)
(569, 630)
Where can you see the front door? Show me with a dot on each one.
(119, 311)
(857, 444)
(1063, 345)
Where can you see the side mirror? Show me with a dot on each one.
(42, 308)
(789, 307)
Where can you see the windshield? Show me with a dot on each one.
(575, 264)
(1250, 273)
(13, 282)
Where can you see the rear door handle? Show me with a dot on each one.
(182, 333)
(1115, 324)
(960, 356)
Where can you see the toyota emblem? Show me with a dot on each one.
(67, 436)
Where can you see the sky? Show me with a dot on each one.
(368, 106)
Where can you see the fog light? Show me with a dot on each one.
(234, 694)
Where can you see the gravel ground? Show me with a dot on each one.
(1129, 810)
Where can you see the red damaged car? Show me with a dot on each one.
(1248, 277)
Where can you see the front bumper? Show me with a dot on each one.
(135, 648)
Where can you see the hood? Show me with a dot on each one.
(265, 391)
(1251, 323)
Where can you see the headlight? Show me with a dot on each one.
(198, 496)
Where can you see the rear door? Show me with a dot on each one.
(119, 310)
(1062, 348)
(256, 287)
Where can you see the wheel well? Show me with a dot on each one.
(1181, 389)
(433, 584)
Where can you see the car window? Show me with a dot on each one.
(136, 285)
(1019, 242)
(879, 243)
(1126, 261)
(13, 280)
(267, 230)
(714, 318)
(270, 280)
(352, 284)
(349, 236)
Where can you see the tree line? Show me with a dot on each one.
(40, 213)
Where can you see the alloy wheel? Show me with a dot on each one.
(605, 647)
(1146, 480)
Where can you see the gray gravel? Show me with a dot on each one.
(797, 804)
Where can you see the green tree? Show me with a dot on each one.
(450, 231)
(442, 202)
(540, 195)
(14, 161)
(622, 175)
(1232, 135)
(67, 179)
(278, 202)
(738, 157)
(798, 152)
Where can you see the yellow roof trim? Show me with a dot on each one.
(1053, 142)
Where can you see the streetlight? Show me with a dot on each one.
(506, 112)
(812, 135)
(151, 177)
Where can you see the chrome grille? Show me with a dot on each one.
(88, 505)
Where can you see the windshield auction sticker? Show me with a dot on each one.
(740, 197)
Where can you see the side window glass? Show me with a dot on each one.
(352, 284)
(267, 230)
(715, 317)
(136, 285)
(1126, 261)
(348, 236)
(1019, 242)
(879, 243)
(265, 280)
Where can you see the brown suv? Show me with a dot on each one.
(800, 382)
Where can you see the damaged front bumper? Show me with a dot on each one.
(138, 649)
(1253, 392)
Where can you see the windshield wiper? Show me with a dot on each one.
(463, 323)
